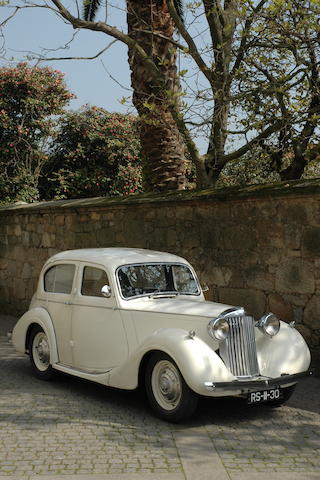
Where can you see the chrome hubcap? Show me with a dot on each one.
(166, 384)
(41, 351)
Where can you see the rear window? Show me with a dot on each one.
(59, 279)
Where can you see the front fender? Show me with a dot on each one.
(196, 360)
(287, 352)
(41, 317)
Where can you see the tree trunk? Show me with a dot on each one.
(164, 164)
(216, 150)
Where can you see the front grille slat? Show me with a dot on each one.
(240, 352)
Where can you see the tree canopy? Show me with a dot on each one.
(29, 97)
(95, 153)
(47, 152)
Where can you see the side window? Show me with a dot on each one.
(92, 281)
(59, 279)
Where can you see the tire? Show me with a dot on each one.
(168, 394)
(287, 392)
(39, 350)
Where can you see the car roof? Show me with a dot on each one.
(114, 257)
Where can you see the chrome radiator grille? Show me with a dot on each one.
(239, 350)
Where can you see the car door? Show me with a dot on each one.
(98, 336)
(58, 281)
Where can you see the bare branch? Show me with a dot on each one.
(193, 51)
(114, 79)
(48, 59)
(10, 17)
(278, 124)
(245, 35)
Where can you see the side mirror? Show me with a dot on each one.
(205, 288)
(106, 291)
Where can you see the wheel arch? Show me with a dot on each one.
(36, 317)
(143, 365)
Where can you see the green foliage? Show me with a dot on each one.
(256, 167)
(95, 153)
(280, 80)
(253, 168)
(312, 169)
(29, 97)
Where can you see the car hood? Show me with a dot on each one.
(176, 305)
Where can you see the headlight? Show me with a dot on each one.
(269, 324)
(218, 328)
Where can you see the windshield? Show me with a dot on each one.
(147, 279)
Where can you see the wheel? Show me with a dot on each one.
(39, 350)
(286, 392)
(169, 396)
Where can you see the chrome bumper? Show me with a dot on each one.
(258, 384)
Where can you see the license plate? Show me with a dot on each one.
(265, 395)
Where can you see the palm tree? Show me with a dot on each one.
(151, 26)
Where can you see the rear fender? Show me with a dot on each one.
(35, 316)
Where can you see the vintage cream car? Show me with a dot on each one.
(126, 317)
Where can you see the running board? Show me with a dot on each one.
(98, 377)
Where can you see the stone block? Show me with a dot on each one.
(86, 240)
(105, 236)
(3, 264)
(70, 221)
(253, 301)
(35, 240)
(220, 276)
(311, 316)
(293, 235)
(59, 220)
(257, 276)
(295, 212)
(210, 236)
(311, 242)
(25, 239)
(238, 278)
(270, 256)
(48, 240)
(3, 239)
(27, 271)
(40, 227)
(278, 305)
(239, 238)
(95, 216)
(305, 331)
(295, 275)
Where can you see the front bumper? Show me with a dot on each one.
(258, 383)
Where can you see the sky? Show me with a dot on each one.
(34, 29)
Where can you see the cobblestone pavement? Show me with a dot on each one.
(73, 427)
(259, 439)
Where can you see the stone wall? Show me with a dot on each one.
(258, 247)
